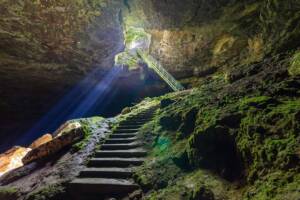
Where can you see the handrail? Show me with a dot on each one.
(162, 72)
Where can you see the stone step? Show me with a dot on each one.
(125, 130)
(120, 146)
(136, 120)
(101, 187)
(115, 162)
(132, 123)
(143, 118)
(129, 127)
(120, 141)
(107, 172)
(121, 153)
(130, 135)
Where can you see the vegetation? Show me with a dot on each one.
(237, 143)
(295, 65)
(8, 193)
(86, 126)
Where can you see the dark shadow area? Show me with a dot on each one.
(89, 98)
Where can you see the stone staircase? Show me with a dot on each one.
(109, 173)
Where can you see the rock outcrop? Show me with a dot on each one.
(46, 179)
(66, 128)
(65, 138)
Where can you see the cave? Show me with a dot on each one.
(149, 99)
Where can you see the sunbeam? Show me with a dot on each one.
(90, 92)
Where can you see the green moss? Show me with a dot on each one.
(294, 68)
(86, 124)
(265, 142)
(276, 186)
(194, 185)
(257, 102)
(268, 138)
(9, 193)
(51, 192)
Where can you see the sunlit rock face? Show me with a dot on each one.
(66, 128)
(42, 140)
(12, 159)
(67, 134)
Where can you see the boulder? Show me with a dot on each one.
(66, 128)
(55, 145)
(12, 159)
(42, 140)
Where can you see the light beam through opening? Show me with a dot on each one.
(77, 103)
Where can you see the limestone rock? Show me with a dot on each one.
(42, 140)
(12, 159)
(58, 143)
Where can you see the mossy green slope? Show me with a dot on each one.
(227, 140)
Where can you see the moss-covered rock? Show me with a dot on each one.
(245, 131)
(9, 193)
(51, 192)
(294, 69)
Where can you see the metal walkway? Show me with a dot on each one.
(158, 68)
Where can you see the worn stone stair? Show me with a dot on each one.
(108, 174)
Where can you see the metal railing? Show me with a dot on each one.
(158, 68)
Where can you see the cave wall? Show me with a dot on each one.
(47, 47)
(199, 37)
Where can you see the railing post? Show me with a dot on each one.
(164, 74)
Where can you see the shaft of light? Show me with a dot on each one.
(92, 90)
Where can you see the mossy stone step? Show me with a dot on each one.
(132, 123)
(121, 146)
(140, 118)
(120, 141)
(111, 172)
(121, 153)
(136, 120)
(118, 130)
(101, 187)
(130, 135)
(129, 127)
(115, 162)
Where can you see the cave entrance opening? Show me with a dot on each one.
(137, 56)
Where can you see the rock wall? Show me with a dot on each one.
(46, 47)
(196, 37)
